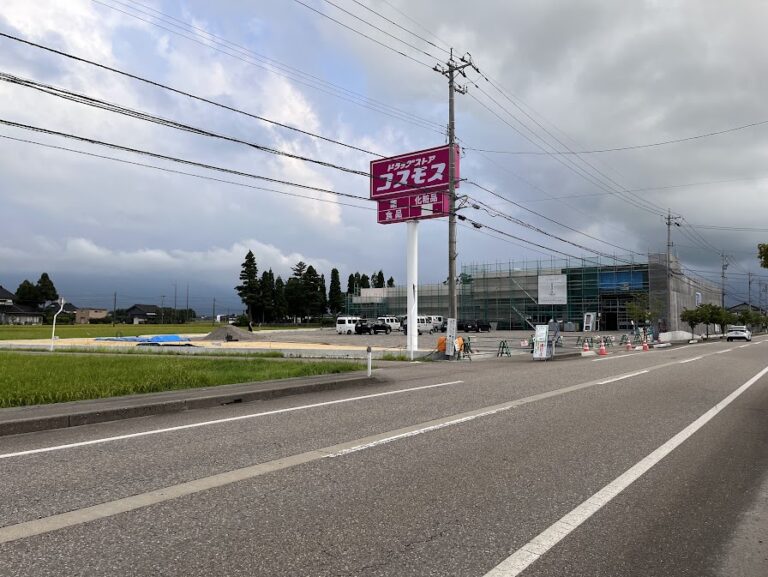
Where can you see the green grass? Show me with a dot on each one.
(32, 379)
(15, 332)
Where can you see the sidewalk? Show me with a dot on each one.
(17, 420)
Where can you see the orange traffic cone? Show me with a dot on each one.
(602, 352)
(628, 346)
(645, 346)
(586, 347)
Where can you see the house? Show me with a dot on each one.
(139, 314)
(16, 314)
(84, 316)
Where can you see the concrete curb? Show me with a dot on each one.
(64, 415)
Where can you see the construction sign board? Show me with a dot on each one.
(553, 289)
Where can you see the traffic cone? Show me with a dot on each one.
(645, 346)
(628, 346)
(602, 352)
(586, 347)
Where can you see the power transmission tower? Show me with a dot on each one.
(449, 71)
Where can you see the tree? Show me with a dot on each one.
(709, 314)
(692, 317)
(312, 292)
(391, 282)
(46, 292)
(27, 294)
(267, 296)
(323, 295)
(296, 304)
(365, 282)
(377, 279)
(351, 285)
(335, 298)
(642, 309)
(762, 254)
(281, 305)
(248, 289)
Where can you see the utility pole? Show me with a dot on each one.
(186, 310)
(449, 71)
(213, 314)
(670, 221)
(175, 319)
(162, 309)
(114, 308)
(722, 279)
(749, 291)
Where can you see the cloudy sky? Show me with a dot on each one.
(554, 77)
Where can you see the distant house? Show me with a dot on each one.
(84, 316)
(139, 314)
(69, 308)
(17, 314)
(744, 307)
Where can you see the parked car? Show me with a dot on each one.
(393, 322)
(738, 333)
(380, 327)
(363, 328)
(346, 325)
(474, 326)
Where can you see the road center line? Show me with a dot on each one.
(220, 421)
(622, 377)
(547, 539)
(690, 360)
(616, 357)
(723, 351)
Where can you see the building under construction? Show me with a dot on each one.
(520, 294)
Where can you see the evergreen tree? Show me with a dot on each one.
(46, 292)
(391, 282)
(365, 282)
(267, 293)
(27, 294)
(351, 285)
(323, 295)
(379, 280)
(312, 298)
(294, 298)
(248, 289)
(335, 298)
(299, 269)
(281, 305)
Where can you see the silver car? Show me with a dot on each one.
(738, 333)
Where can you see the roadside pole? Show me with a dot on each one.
(53, 332)
(412, 284)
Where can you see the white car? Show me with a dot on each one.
(737, 333)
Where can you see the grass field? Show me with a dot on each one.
(14, 332)
(32, 379)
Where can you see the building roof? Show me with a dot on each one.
(146, 309)
(20, 310)
(6, 294)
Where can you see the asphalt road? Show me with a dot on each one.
(652, 464)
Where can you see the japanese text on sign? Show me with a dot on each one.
(422, 171)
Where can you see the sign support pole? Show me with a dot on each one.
(412, 284)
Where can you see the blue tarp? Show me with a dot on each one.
(154, 339)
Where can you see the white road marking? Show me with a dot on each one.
(622, 377)
(743, 346)
(690, 360)
(220, 421)
(723, 351)
(547, 539)
(111, 508)
(616, 357)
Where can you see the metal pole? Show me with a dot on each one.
(722, 280)
(53, 332)
(749, 291)
(412, 286)
(669, 269)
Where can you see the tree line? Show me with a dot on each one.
(709, 314)
(36, 295)
(269, 298)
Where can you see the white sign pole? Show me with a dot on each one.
(412, 285)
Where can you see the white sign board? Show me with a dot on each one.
(553, 289)
(540, 350)
(450, 337)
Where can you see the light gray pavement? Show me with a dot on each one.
(454, 500)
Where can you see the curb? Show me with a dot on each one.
(145, 407)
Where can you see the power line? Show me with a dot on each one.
(364, 21)
(273, 66)
(633, 147)
(364, 35)
(132, 113)
(404, 15)
(203, 177)
(169, 158)
(189, 95)
(504, 198)
(380, 15)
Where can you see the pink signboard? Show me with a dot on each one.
(418, 206)
(422, 171)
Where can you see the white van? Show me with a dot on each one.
(346, 325)
(393, 322)
(423, 324)
(437, 322)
